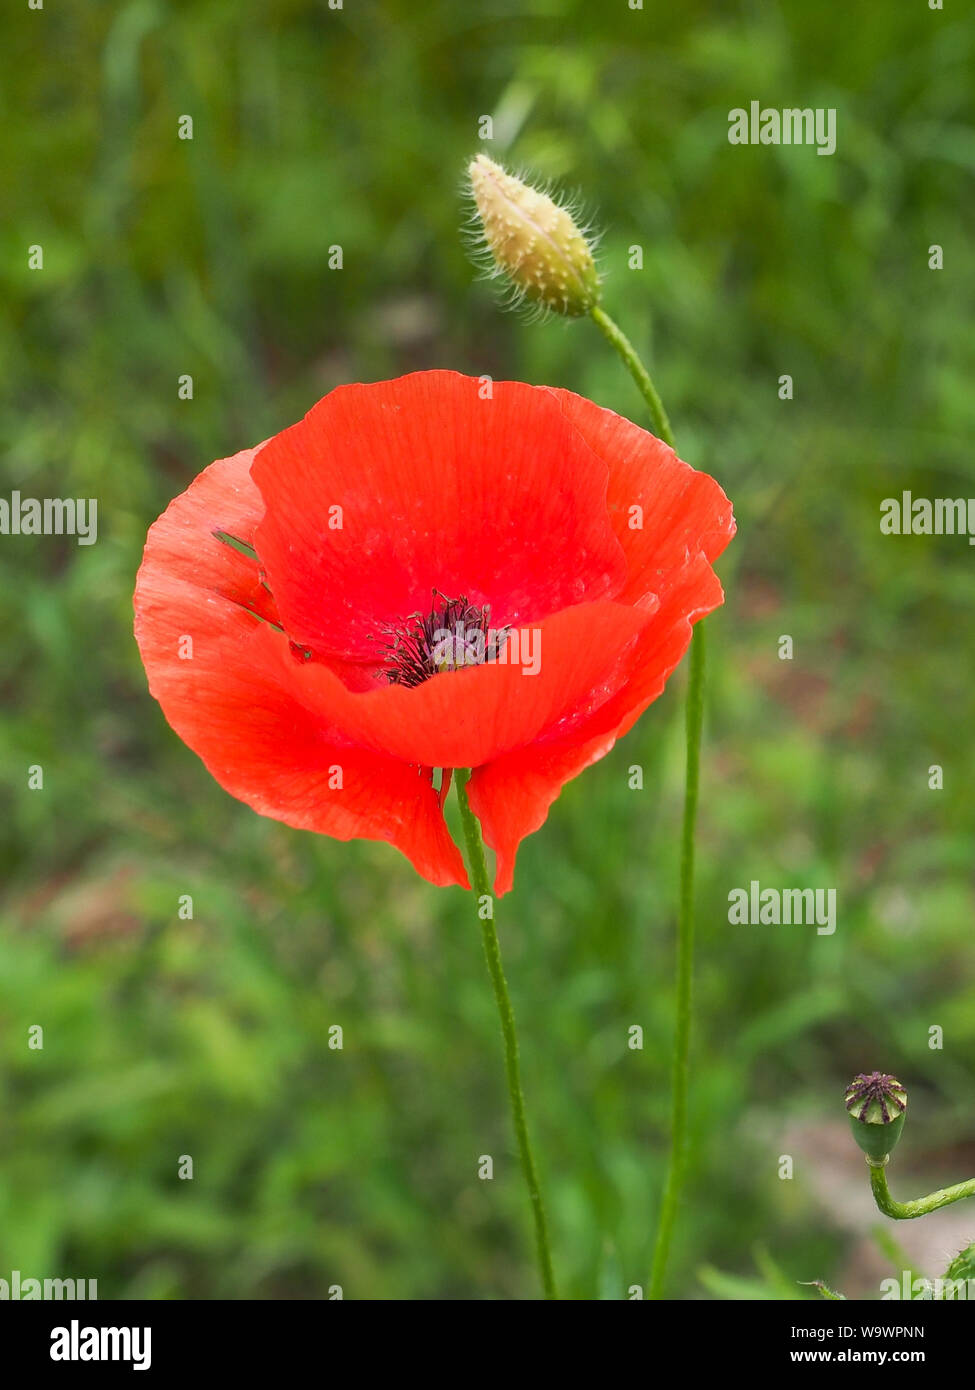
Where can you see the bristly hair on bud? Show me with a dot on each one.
(521, 233)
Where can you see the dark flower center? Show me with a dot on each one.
(453, 634)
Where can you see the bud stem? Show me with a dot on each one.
(685, 969)
(906, 1211)
(480, 883)
(618, 340)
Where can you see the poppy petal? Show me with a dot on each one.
(662, 510)
(227, 505)
(226, 683)
(388, 491)
(511, 796)
(686, 523)
(469, 717)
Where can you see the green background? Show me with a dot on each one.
(162, 1037)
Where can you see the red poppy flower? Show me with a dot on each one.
(416, 577)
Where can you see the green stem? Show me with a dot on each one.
(906, 1211)
(492, 951)
(618, 340)
(685, 969)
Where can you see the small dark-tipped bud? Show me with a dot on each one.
(876, 1104)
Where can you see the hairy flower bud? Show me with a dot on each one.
(533, 241)
(876, 1104)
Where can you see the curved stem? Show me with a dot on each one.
(906, 1211)
(685, 968)
(492, 951)
(618, 340)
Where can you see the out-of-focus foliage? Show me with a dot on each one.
(209, 1037)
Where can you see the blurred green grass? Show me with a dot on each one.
(209, 1037)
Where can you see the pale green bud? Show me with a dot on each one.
(533, 241)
